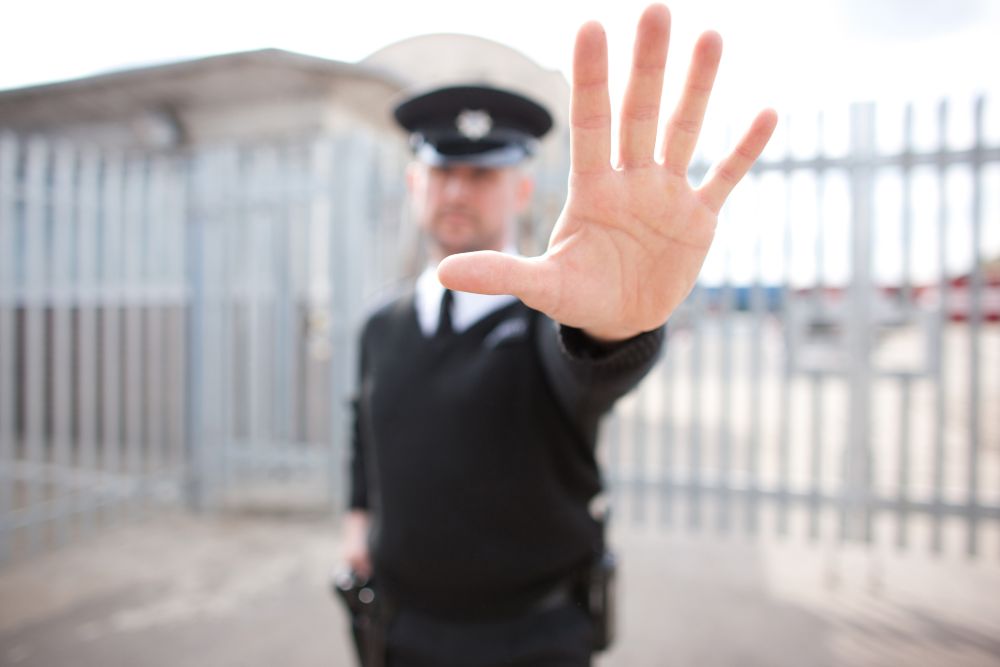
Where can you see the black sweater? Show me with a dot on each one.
(475, 454)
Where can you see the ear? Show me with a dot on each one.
(412, 176)
(525, 190)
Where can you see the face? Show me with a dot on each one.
(463, 208)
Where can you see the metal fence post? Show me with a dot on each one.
(856, 511)
(36, 283)
(194, 485)
(327, 209)
(8, 344)
(976, 316)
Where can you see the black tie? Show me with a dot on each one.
(444, 317)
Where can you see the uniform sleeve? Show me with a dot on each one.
(358, 499)
(359, 476)
(588, 376)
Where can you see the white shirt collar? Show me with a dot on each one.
(467, 308)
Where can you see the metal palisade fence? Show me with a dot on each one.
(180, 329)
(169, 333)
(835, 373)
(93, 301)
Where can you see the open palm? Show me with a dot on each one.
(631, 238)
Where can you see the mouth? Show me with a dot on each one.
(457, 217)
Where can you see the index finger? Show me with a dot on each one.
(590, 104)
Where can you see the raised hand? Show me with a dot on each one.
(631, 239)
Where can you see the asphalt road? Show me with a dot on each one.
(251, 590)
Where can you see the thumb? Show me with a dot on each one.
(490, 272)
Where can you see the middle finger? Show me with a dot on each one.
(641, 105)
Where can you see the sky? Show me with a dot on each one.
(780, 53)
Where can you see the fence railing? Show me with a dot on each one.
(837, 385)
(181, 328)
(92, 298)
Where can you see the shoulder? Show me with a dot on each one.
(389, 308)
(389, 302)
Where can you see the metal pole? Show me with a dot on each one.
(975, 329)
(857, 520)
(194, 255)
(87, 350)
(941, 378)
(817, 384)
(9, 151)
(906, 297)
(36, 264)
(61, 373)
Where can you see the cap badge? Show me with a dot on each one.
(474, 124)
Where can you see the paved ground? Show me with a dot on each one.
(249, 591)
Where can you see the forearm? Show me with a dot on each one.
(588, 376)
(358, 490)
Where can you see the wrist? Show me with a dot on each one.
(580, 347)
(583, 344)
(609, 337)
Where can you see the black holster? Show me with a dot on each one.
(368, 613)
(597, 594)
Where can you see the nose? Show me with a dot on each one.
(455, 185)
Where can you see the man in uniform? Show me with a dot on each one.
(481, 391)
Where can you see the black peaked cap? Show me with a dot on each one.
(473, 124)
